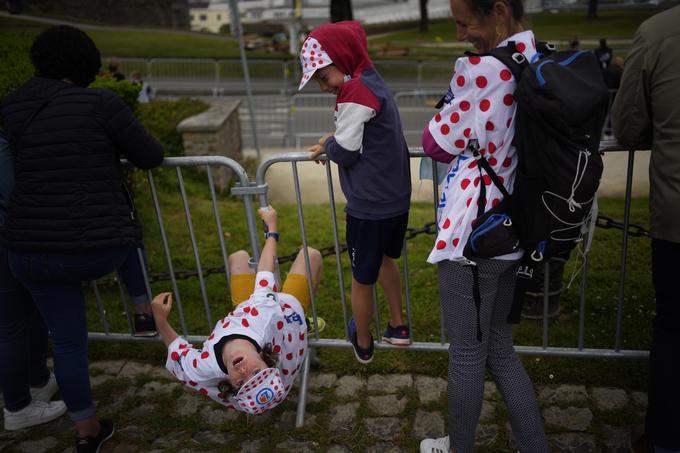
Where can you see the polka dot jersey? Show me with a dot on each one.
(482, 108)
(267, 317)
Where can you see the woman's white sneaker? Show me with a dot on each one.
(36, 413)
(46, 392)
(440, 445)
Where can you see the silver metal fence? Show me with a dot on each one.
(218, 77)
(544, 349)
(209, 164)
(249, 190)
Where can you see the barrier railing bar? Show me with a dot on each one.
(166, 251)
(308, 269)
(376, 313)
(407, 287)
(420, 346)
(145, 275)
(124, 305)
(435, 193)
(218, 224)
(336, 244)
(546, 301)
(100, 307)
(582, 303)
(624, 248)
(194, 246)
(302, 394)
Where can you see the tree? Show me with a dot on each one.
(341, 10)
(592, 9)
(424, 21)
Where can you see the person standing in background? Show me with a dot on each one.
(646, 113)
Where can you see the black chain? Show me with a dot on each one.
(411, 233)
(633, 229)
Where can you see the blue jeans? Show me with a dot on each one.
(54, 281)
(23, 341)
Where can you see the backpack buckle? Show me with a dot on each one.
(518, 58)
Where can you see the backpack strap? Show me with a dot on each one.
(473, 145)
(509, 56)
(482, 163)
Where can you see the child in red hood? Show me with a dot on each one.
(373, 161)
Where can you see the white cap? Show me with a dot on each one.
(312, 57)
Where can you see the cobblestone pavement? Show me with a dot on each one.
(377, 413)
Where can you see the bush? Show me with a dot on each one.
(162, 117)
(16, 65)
(127, 91)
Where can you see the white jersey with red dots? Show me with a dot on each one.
(480, 106)
(267, 317)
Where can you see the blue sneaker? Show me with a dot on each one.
(363, 355)
(398, 336)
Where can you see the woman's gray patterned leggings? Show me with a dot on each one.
(469, 358)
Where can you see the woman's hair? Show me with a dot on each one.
(270, 358)
(65, 52)
(483, 8)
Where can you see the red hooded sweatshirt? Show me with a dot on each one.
(368, 144)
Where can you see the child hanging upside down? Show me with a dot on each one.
(251, 358)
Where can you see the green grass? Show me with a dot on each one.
(600, 307)
(557, 27)
(612, 24)
(145, 43)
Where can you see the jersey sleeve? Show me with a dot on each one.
(451, 128)
(356, 105)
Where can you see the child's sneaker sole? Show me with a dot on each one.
(397, 341)
(365, 362)
(145, 334)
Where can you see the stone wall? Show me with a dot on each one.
(215, 132)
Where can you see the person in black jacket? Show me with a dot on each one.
(69, 218)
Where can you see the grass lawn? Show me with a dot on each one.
(556, 27)
(144, 43)
(600, 308)
(612, 24)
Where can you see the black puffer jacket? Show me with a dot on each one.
(69, 195)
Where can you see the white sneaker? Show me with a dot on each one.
(440, 445)
(46, 392)
(36, 413)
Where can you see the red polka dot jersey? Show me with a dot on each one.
(482, 108)
(266, 317)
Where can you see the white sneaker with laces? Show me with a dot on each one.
(440, 445)
(36, 413)
(46, 392)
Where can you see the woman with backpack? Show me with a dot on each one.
(475, 129)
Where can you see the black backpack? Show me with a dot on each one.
(562, 102)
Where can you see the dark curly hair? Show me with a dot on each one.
(65, 52)
(483, 8)
(268, 356)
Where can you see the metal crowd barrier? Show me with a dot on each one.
(210, 164)
(248, 190)
(224, 76)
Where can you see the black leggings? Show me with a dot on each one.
(469, 358)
